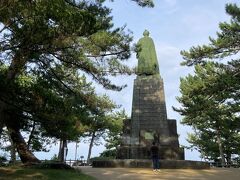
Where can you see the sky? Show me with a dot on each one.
(174, 25)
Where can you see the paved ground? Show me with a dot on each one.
(164, 174)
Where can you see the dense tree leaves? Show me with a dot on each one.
(114, 135)
(47, 34)
(106, 125)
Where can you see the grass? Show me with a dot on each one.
(24, 173)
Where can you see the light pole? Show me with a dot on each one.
(76, 150)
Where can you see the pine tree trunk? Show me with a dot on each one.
(229, 161)
(12, 124)
(2, 116)
(12, 150)
(26, 156)
(90, 147)
(1, 130)
(219, 141)
(76, 150)
(62, 150)
(13, 154)
(31, 134)
(1, 127)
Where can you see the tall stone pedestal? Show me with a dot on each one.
(149, 123)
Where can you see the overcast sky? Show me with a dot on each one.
(174, 25)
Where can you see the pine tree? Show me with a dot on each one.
(46, 48)
(215, 98)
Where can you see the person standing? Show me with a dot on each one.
(155, 157)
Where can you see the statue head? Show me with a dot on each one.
(146, 33)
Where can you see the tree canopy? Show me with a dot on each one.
(211, 111)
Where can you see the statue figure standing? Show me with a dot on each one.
(146, 55)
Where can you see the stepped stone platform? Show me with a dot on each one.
(164, 174)
(147, 163)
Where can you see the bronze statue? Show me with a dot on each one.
(146, 55)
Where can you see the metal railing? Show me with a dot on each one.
(227, 165)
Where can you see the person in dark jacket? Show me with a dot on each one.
(155, 156)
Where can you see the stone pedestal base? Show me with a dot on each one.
(144, 163)
(139, 152)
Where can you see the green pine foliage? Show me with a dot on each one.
(144, 3)
(226, 43)
(48, 50)
(209, 108)
(210, 98)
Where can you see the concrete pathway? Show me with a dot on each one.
(164, 174)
